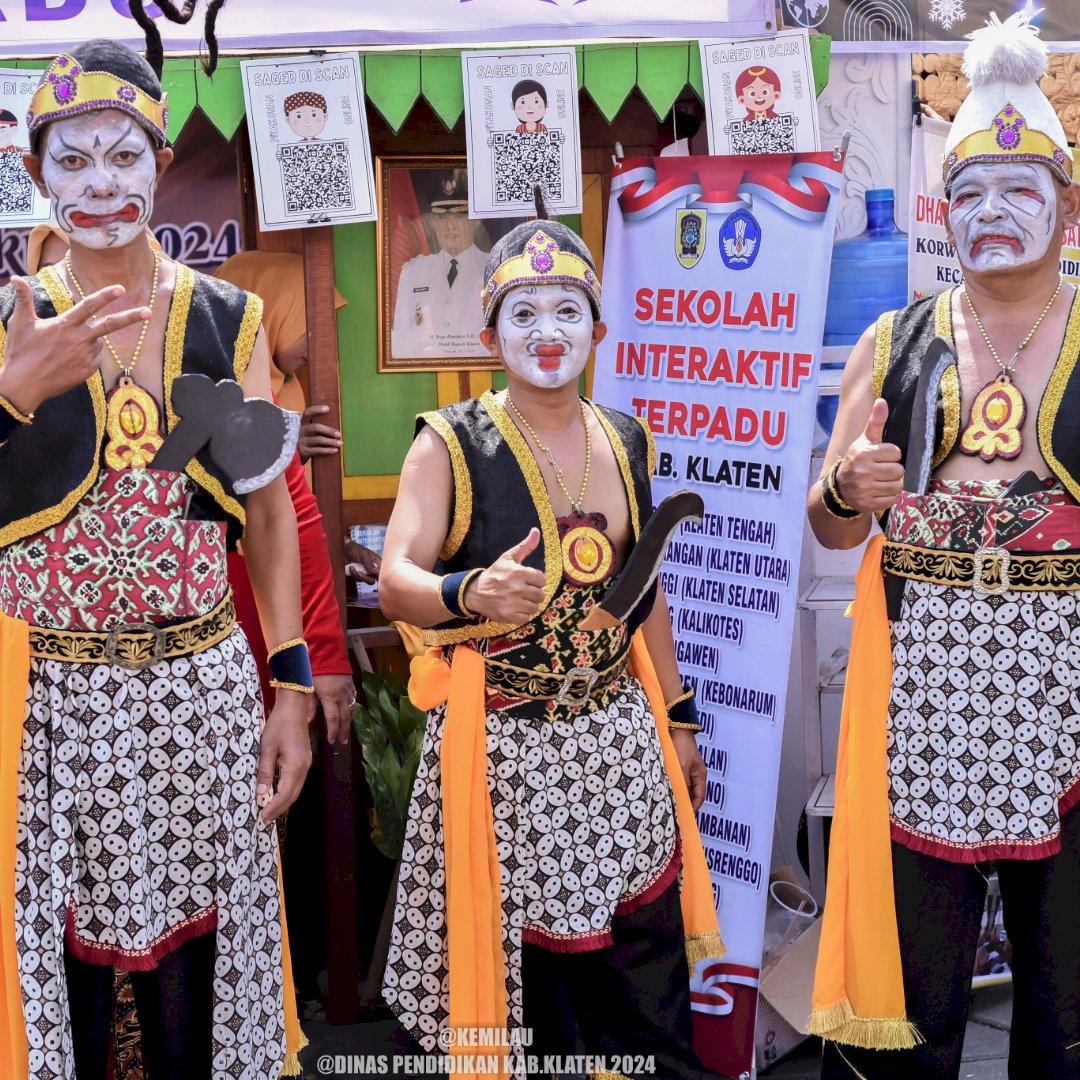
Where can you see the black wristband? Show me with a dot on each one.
(290, 668)
(682, 712)
(831, 498)
(452, 589)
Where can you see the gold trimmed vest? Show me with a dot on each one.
(901, 339)
(499, 495)
(48, 466)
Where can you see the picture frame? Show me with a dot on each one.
(430, 257)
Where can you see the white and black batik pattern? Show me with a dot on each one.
(137, 822)
(984, 720)
(584, 825)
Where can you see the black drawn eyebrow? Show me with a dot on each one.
(126, 132)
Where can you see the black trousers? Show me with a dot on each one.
(629, 1000)
(174, 1005)
(939, 908)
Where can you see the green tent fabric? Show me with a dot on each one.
(394, 80)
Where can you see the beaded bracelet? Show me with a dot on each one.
(290, 667)
(452, 590)
(831, 498)
(682, 712)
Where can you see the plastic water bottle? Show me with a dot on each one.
(869, 273)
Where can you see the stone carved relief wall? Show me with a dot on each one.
(870, 95)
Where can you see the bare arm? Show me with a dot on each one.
(506, 591)
(870, 475)
(273, 560)
(661, 645)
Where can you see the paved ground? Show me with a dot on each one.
(986, 1045)
(349, 1051)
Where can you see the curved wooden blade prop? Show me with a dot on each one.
(249, 439)
(919, 459)
(645, 560)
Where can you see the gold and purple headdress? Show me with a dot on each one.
(1007, 117)
(538, 253)
(67, 89)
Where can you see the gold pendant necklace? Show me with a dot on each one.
(998, 411)
(132, 418)
(588, 554)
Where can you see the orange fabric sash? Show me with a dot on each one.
(858, 987)
(473, 890)
(14, 677)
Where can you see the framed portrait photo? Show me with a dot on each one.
(431, 257)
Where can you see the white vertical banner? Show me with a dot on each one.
(932, 262)
(521, 129)
(716, 275)
(21, 204)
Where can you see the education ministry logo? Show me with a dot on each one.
(740, 238)
(689, 236)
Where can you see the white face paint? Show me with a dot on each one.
(100, 171)
(545, 333)
(1003, 215)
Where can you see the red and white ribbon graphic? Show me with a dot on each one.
(709, 987)
(812, 180)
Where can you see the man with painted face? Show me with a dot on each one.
(565, 804)
(959, 752)
(139, 769)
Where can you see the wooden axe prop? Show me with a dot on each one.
(250, 440)
(640, 571)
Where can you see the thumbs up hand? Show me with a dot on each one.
(509, 591)
(870, 475)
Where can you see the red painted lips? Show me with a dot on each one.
(550, 356)
(90, 221)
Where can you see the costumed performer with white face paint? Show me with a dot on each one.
(558, 777)
(960, 743)
(140, 783)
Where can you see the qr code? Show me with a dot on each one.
(16, 187)
(520, 160)
(772, 135)
(317, 176)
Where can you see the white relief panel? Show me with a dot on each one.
(869, 94)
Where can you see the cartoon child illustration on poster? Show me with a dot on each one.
(758, 90)
(16, 187)
(530, 106)
(314, 172)
(305, 113)
(762, 130)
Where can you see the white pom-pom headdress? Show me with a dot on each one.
(1006, 117)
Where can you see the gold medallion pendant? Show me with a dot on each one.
(997, 414)
(588, 554)
(132, 423)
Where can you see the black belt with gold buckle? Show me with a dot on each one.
(573, 689)
(135, 645)
(988, 570)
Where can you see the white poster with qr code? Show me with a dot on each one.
(21, 204)
(521, 129)
(309, 141)
(759, 95)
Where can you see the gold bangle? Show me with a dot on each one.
(680, 726)
(14, 413)
(834, 488)
(292, 686)
(285, 645)
(682, 697)
(466, 581)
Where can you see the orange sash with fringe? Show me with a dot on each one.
(858, 986)
(473, 891)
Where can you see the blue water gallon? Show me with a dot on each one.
(868, 277)
(869, 273)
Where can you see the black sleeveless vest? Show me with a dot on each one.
(46, 467)
(499, 495)
(900, 342)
